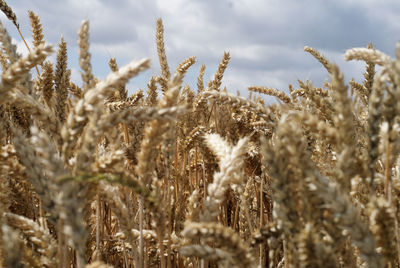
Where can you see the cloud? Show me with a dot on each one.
(265, 37)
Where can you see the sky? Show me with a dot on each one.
(265, 38)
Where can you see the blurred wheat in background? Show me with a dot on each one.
(182, 176)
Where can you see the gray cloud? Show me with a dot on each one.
(265, 38)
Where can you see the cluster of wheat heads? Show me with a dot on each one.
(183, 177)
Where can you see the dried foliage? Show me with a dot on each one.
(175, 177)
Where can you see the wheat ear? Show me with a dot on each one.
(37, 29)
(84, 56)
(161, 50)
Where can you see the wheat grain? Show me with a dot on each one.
(85, 57)
(200, 82)
(216, 83)
(9, 12)
(47, 84)
(324, 61)
(270, 91)
(123, 94)
(37, 29)
(19, 69)
(161, 50)
(9, 48)
(368, 55)
(44, 243)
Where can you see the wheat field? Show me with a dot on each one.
(179, 175)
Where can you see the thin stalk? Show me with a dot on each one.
(387, 172)
(169, 208)
(126, 134)
(160, 241)
(216, 118)
(261, 218)
(124, 254)
(141, 249)
(98, 220)
(197, 172)
(26, 44)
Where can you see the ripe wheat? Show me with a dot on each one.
(171, 176)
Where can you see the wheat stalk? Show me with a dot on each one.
(105, 174)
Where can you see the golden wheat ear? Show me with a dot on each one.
(9, 12)
(216, 82)
(161, 50)
(37, 29)
(321, 58)
(12, 17)
(85, 57)
(272, 92)
(61, 82)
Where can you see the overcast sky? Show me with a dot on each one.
(264, 37)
